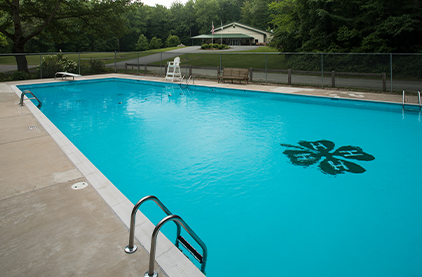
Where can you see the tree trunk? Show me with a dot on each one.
(18, 39)
(20, 59)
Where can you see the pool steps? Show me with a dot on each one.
(131, 248)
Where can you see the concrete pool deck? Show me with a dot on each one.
(49, 229)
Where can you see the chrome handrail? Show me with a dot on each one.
(179, 220)
(26, 92)
(181, 80)
(403, 99)
(419, 98)
(193, 80)
(131, 248)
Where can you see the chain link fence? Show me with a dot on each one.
(356, 71)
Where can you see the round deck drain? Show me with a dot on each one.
(80, 185)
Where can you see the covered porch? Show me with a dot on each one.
(229, 39)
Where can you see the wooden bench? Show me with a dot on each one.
(234, 74)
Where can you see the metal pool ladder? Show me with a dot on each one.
(187, 80)
(26, 92)
(131, 248)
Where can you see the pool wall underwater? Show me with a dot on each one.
(327, 174)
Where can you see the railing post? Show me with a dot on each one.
(333, 79)
(251, 74)
(289, 77)
(384, 82)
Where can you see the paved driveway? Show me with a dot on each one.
(177, 52)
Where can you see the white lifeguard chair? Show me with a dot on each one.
(173, 70)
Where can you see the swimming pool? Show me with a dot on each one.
(303, 186)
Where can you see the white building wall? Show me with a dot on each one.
(241, 30)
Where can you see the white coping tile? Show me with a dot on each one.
(171, 260)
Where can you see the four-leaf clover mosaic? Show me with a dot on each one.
(311, 152)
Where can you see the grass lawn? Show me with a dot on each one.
(234, 59)
(107, 57)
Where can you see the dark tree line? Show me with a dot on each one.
(124, 25)
(379, 26)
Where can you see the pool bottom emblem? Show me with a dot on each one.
(311, 152)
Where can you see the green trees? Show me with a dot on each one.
(22, 21)
(142, 43)
(155, 43)
(172, 41)
(347, 26)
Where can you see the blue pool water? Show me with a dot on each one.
(284, 185)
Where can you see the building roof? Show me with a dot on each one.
(243, 26)
(217, 36)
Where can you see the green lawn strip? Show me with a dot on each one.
(108, 57)
(274, 61)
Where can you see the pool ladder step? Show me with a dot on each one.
(34, 97)
(404, 100)
(131, 248)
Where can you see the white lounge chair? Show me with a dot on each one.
(66, 74)
(173, 70)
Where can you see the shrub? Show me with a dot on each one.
(204, 46)
(55, 63)
(155, 43)
(172, 41)
(214, 46)
(221, 46)
(97, 66)
(142, 43)
(20, 75)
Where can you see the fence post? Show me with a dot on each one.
(265, 68)
(145, 69)
(186, 65)
(79, 63)
(250, 74)
(391, 71)
(125, 68)
(384, 82)
(322, 70)
(220, 60)
(115, 62)
(289, 77)
(165, 68)
(161, 59)
(333, 79)
(40, 66)
(138, 63)
(190, 70)
(218, 74)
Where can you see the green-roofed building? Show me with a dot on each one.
(235, 33)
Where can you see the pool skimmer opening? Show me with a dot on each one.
(79, 185)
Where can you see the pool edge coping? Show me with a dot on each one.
(170, 259)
